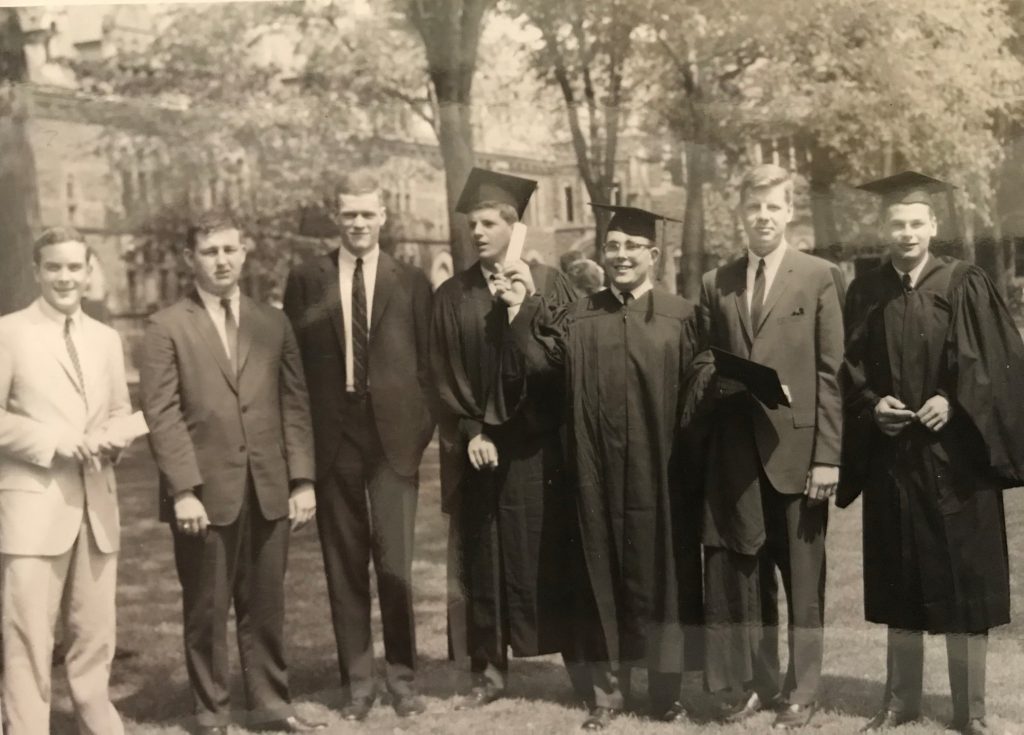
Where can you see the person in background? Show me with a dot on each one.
(587, 276)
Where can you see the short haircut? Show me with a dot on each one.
(586, 275)
(566, 259)
(55, 236)
(766, 176)
(505, 210)
(355, 184)
(206, 223)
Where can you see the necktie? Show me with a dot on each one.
(627, 296)
(907, 285)
(757, 297)
(360, 329)
(73, 354)
(231, 331)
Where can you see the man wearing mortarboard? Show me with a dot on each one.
(934, 431)
(622, 354)
(501, 470)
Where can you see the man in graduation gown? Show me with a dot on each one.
(622, 353)
(771, 465)
(935, 430)
(501, 474)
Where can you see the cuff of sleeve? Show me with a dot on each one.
(470, 428)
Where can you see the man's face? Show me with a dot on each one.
(491, 234)
(765, 213)
(63, 274)
(217, 260)
(909, 229)
(628, 259)
(360, 217)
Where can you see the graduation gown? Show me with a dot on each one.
(623, 369)
(510, 520)
(935, 556)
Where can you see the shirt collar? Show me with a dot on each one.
(59, 317)
(771, 260)
(212, 301)
(915, 272)
(369, 259)
(637, 292)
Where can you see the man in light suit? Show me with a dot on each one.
(362, 323)
(772, 466)
(62, 387)
(224, 395)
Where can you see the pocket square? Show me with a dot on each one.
(798, 312)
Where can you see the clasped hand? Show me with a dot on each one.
(892, 416)
(90, 449)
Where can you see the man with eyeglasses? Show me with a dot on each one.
(622, 353)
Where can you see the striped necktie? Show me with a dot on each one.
(69, 343)
(231, 332)
(757, 297)
(360, 330)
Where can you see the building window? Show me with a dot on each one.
(615, 194)
(127, 193)
(72, 202)
(570, 214)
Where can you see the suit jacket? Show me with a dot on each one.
(801, 337)
(399, 363)
(210, 428)
(42, 497)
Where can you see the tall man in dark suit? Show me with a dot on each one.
(224, 395)
(772, 467)
(362, 322)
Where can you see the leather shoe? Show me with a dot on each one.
(210, 730)
(794, 716)
(479, 697)
(408, 705)
(753, 706)
(885, 719)
(598, 719)
(977, 726)
(294, 723)
(357, 710)
(675, 713)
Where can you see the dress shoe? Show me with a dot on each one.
(598, 719)
(357, 710)
(794, 716)
(977, 726)
(479, 697)
(753, 706)
(408, 705)
(675, 713)
(210, 730)
(885, 719)
(288, 724)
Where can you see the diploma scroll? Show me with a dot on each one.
(515, 244)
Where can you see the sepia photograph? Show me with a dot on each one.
(450, 367)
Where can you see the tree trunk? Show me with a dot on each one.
(455, 135)
(822, 175)
(692, 261)
(19, 206)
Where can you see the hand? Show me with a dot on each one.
(301, 505)
(73, 448)
(190, 514)
(935, 413)
(517, 283)
(822, 481)
(892, 416)
(483, 454)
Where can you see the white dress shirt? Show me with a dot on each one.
(346, 270)
(637, 292)
(915, 272)
(487, 276)
(58, 318)
(216, 312)
(772, 261)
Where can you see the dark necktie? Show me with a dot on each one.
(908, 286)
(73, 354)
(627, 296)
(757, 297)
(231, 332)
(360, 330)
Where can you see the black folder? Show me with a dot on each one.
(761, 380)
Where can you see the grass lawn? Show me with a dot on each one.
(151, 688)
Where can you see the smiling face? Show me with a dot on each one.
(491, 234)
(765, 212)
(360, 217)
(908, 229)
(628, 259)
(217, 260)
(62, 272)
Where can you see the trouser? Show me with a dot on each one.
(904, 675)
(366, 510)
(77, 587)
(243, 561)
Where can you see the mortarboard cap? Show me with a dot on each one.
(633, 220)
(484, 185)
(908, 187)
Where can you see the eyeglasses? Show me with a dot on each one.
(630, 247)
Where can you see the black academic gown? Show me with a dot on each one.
(638, 518)
(935, 556)
(511, 519)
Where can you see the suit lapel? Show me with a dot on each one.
(332, 295)
(57, 347)
(738, 276)
(247, 315)
(779, 284)
(383, 287)
(204, 326)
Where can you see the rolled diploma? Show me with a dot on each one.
(515, 244)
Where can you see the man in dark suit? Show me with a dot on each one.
(772, 465)
(224, 395)
(362, 322)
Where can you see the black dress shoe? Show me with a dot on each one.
(288, 724)
(795, 716)
(408, 705)
(753, 706)
(598, 719)
(357, 710)
(479, 697)
(886, 719)
(977, 726)
(675, 713)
